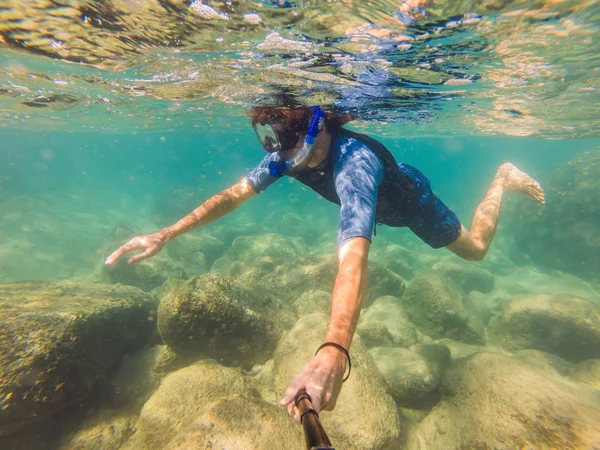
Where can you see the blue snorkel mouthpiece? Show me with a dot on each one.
(278, 168)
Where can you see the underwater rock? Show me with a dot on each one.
(386, 312)
(587, 372)
(195, 252)
(147, 275)
(365, 415)
(563, 233)
(563, 325)
(59, 340)
(313, 302)
(265, 380)
(480, 304)
(226, 232)
(259, 253)
(462, 350)
(211, 316)
(435, 304)
(139, 375)
(210, 246)
(106, 430)
(268, 245)
(398, 259)
(468, 277)
(545, 362)
(239, 422)
(318, 272)
(182, 397)
(413, 376)
(496, 402)
(374, 334)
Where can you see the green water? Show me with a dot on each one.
(111, 130)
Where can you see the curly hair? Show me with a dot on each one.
(295, 118)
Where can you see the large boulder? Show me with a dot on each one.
(318, 272)
(60, 340)
(563, 325)
(385, 323)
(365, 415)
(563, 234)
(107, 429)
(587, 372)
(396, 258)
(436, 305)
(468, 277)
(313, 301)
(496, 402)
(545, 362)
(228, 229)
(413, 376)
(212, 316)
(199, 249)
(240, 422)
(138, 376)
(255, 253)
(182, 397)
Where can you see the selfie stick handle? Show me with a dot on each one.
(316, 438)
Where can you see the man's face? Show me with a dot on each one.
(288, 153)
(279, 137)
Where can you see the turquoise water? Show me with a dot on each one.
(110, 130)
(129, 177)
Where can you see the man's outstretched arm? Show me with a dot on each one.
(215, 207)
(212, 209)
(322, 376)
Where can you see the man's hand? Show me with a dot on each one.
(322, 379)
(150, 245)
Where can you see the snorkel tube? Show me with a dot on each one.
(278, 168)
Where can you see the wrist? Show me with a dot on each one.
(343, 356)
(339, 337)
(166, 234)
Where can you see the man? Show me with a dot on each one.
(360, 175)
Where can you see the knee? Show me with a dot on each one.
(473, 252)
(477, 252)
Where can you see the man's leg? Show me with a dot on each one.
(473, 244)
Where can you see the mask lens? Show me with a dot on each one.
(267, 137)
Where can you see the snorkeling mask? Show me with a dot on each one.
(276, 141)
(273, 140)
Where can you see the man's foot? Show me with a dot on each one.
(519, 181)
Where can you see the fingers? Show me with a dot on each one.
(290, 393)
(145, 254)
(294, 412)
(315, 393)
(131, 245)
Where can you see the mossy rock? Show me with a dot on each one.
(436, 305)
(318, 272)
(212, 316)
(564, 325)
(493, 401)
(60, 340)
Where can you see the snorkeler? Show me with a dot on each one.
(361, 175)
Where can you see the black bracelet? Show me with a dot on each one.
(341, 349)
